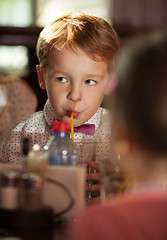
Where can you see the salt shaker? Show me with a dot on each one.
(9, 189)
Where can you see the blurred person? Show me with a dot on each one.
(17, 100)
(139, 106)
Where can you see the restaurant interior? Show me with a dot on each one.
(21, 21)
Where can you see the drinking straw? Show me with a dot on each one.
(72, 126)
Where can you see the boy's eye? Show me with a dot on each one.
(90, 82)
(62, 79)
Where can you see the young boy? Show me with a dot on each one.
(74, 53)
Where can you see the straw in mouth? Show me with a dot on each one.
(72, 126)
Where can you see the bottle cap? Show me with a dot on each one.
(60, 127)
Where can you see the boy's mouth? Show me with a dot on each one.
(75, 115)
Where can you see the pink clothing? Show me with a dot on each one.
(133, 217)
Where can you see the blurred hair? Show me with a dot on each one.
(92, 34)
(140, 98)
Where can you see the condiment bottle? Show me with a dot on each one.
(60, 146)
(31, 187)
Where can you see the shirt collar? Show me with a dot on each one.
(49, 114)
(95, 119)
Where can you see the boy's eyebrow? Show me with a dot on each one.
(58, 71)
(96, 75)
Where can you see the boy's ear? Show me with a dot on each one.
(40, 78)
(111, 83)
(123, 143)
(106, 89)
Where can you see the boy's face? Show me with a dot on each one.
(74, 82)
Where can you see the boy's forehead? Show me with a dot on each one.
(66, 49)
(74, 50)
(72, 63)
(56, 56)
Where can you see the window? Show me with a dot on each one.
(16, 13)
(13, 60)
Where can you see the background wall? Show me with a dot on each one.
(139, 12)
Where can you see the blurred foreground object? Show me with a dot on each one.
(139, 107)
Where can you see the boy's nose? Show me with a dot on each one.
(74, 94)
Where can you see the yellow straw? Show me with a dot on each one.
(72, 126)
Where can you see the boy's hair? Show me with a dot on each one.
(141, 94)
(92, 34)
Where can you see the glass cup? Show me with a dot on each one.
(86, 152)
(112, 178)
